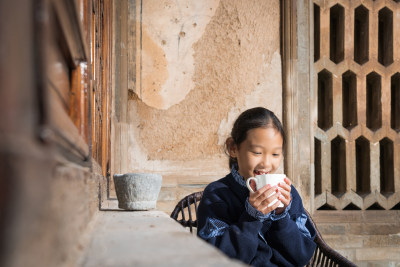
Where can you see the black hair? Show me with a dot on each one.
(251, 119)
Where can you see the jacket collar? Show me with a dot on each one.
(238, 184)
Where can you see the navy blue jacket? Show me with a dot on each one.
(224, 222)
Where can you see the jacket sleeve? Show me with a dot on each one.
(292, 237)
(238, 239)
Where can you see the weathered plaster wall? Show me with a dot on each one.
(232, 69)
(165, 33)
(198, 65)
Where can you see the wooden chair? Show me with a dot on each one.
(184, 208)
(323, 254)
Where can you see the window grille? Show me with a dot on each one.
(357, 91)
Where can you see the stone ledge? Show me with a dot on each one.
(146, 238)
(351, 216)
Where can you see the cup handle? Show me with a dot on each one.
(248, 183)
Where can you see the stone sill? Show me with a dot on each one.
(146, 238)
(357, 216)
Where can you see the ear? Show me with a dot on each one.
(231, 147)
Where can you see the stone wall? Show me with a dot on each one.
(192, 69)
(367, 238)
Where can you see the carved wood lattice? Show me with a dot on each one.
(357, 104)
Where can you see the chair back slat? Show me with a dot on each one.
(195, 204)
(183, 212)
(324, 261)
(318, 261)
(324, 256)
(312, 263)
(185, 206)
(190, 214)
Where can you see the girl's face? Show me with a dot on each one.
(261, 152)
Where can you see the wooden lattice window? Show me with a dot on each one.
(75, 102)
(64, 94)
(101, 76)
(356, 84)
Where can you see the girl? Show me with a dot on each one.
(240, 223)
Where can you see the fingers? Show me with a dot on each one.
(285, 189)
(259, 193)
(287, 180)
(285, 199)
(286, 185)
(285, 192)
(266, 206)
(274, 206)
(262, 198)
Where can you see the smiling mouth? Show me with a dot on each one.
(260, 172)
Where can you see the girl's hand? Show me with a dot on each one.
(260, 200)
(284, 197)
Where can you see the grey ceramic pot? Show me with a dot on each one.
(137, 191)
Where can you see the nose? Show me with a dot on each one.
(267, 162)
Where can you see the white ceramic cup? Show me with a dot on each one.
(264, 179)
